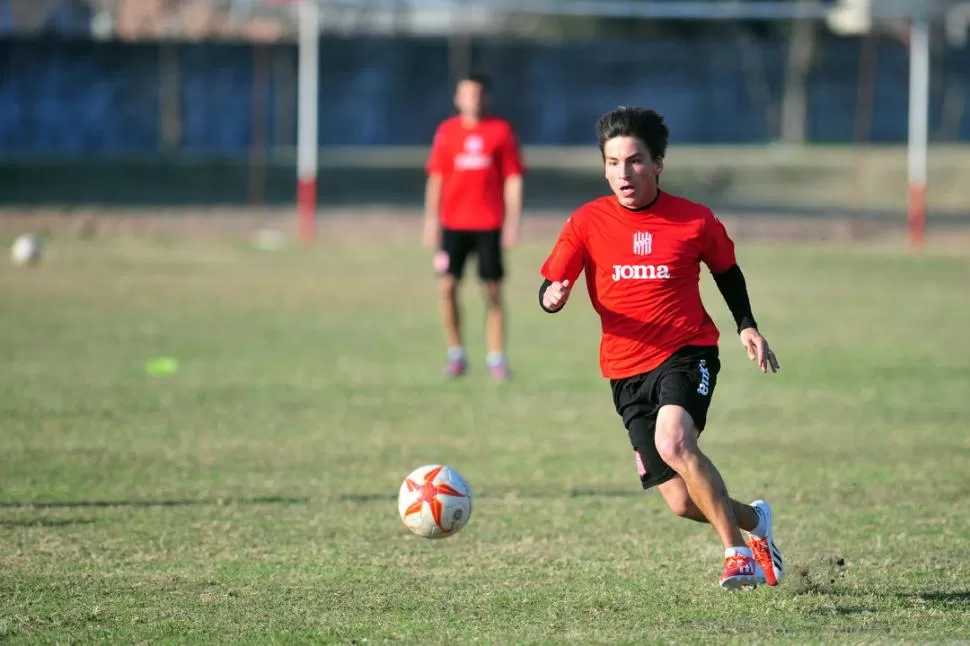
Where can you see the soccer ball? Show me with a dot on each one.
(26, 250)
(434, 501)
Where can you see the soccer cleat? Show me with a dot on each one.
(740, 571)
(500, 372)
(766, 553)
(455, 368)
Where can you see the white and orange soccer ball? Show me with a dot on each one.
(435, 501)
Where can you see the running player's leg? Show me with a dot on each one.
(491, 271)
(638, 401)
(455, 246)
(757, 519)
(685, 385)
(676, 438)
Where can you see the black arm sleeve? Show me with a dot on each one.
(735, 292)
(542, 292)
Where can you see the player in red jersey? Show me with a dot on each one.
(641, 251)
(473, 205)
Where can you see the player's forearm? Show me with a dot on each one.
(734, 289)
(513, 199)
(432, 197)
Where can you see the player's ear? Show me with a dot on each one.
(658, 165)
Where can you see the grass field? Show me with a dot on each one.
(251, 496)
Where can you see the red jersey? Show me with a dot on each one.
(474, 162)
(642, 273)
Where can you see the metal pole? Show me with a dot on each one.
(307, 107)
(919, 90)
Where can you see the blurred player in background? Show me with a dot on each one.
(641, 251)
(473, 205)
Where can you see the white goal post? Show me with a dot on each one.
(845, 16)
(308, 94)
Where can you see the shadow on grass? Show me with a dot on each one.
(186, 502)
(46, 522)
(955, 600)
(569, 493)
(949, 598)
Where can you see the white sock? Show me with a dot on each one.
(760, 529)
(743, 551)
(495, 359)
(456, 353)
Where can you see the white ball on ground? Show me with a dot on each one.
(26, 250)
(435, 501)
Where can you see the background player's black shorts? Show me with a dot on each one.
(687, 378)
(457, 245)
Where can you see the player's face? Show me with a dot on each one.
(631, 171)
(470, 99)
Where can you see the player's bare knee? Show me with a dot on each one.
(672, 448)
(675, 444)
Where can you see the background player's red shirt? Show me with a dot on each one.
(473, 163)
(642, 273)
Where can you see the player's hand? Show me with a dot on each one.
(510, 237)
(429, 237)
(758, 350)
(556, 295)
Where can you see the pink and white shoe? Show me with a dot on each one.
(500, 372)
(455, 368)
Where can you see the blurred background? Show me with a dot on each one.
(193, 103)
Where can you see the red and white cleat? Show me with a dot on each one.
(763, 547)
(740, 571)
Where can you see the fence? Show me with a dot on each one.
(158, 117)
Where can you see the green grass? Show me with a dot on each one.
(251, 496)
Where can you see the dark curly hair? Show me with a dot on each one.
(645, 125)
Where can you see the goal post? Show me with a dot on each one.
(919, 100)
(855, 18)
(307, 118)
(847, 17)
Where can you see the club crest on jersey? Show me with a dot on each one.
(642, 243)
(473, 157)
(474, 144)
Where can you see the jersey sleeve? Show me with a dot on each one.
(568, 256)
(718, 253)
(436, 163)
(510, 156)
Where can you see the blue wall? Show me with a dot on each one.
(74, 97)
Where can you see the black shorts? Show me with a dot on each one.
(457, 245)
(687, 378)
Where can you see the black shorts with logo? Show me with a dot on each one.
(457, 245)
(687, 378)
